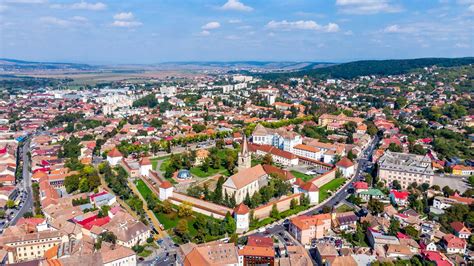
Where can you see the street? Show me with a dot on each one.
(362, 165)
(25, 184)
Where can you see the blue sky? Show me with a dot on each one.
(153, 31)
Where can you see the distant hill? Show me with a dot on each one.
(20, 65)
(244, 65)
(372, 67)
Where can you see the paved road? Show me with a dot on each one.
(25, 184)
(362, 165)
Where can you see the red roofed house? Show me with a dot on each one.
(460, 230)
(311, 190)
(346, 167)
(360, 186)
(241, 216)
(166, 190)
(399, 197)
(114, 157)
(437, 257)
(454, 244)
(145, 166)
(259, 241)
(306, 228)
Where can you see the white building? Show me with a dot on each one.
(114, 157)
(166, 190)
(145, 167)
(241, 216)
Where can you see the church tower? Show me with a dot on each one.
(245, 160)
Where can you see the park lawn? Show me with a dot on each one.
(304, 177)
(164, 164)
(154, 163)
(343, 208)
(143, 188)
(210, 172)
(145, 253)
(332, 185)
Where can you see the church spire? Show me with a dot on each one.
(245, 159)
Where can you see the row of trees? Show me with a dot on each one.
(86, 180)
(276, 188)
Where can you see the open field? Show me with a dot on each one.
(304, 177)
(332, 185)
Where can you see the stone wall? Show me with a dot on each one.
(324, 178)
(283, 204)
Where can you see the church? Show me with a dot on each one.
(247, 180)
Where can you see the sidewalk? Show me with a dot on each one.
(150, 213)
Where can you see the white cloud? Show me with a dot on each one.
(302, 25)
(125, 20)
(89, 6)
(79, 19)
(211, 25)
(397, 29)
(82, 6)
(24, 1)
(363, 7)
(205, 33)
(236, 5)
(235, 21)
(49, 20)
(123, 16)
(462, 45)
(126, 24)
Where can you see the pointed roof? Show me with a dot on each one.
(245, 148)
(114, 153)
(145, 161)
(309, 186)
(166, 184)
(241, 209)
(345, 163)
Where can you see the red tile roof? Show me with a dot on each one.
(345, 163)
(114, 153)
(166, 185)
(403, 195)
(241, 209)
(453, 241)
(260, 241)
(360, 185)
(458, 226)
(309, 186)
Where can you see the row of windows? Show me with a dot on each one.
(31, 247)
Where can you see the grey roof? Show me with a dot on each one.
(406, 162)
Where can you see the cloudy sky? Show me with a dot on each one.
(153, 31)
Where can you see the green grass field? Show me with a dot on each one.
(304, 177)
(343, 208)
(332, 185)
(143, 188)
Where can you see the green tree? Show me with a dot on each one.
(71, 183)
(230, 225)
(375, 206)
(10, 204)
(394, 147)
(267, 159)
(84, 185)
(167, 206)
(274, 213)
(185, 210)
(394, 227)
(411, 231)
(293, 203)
